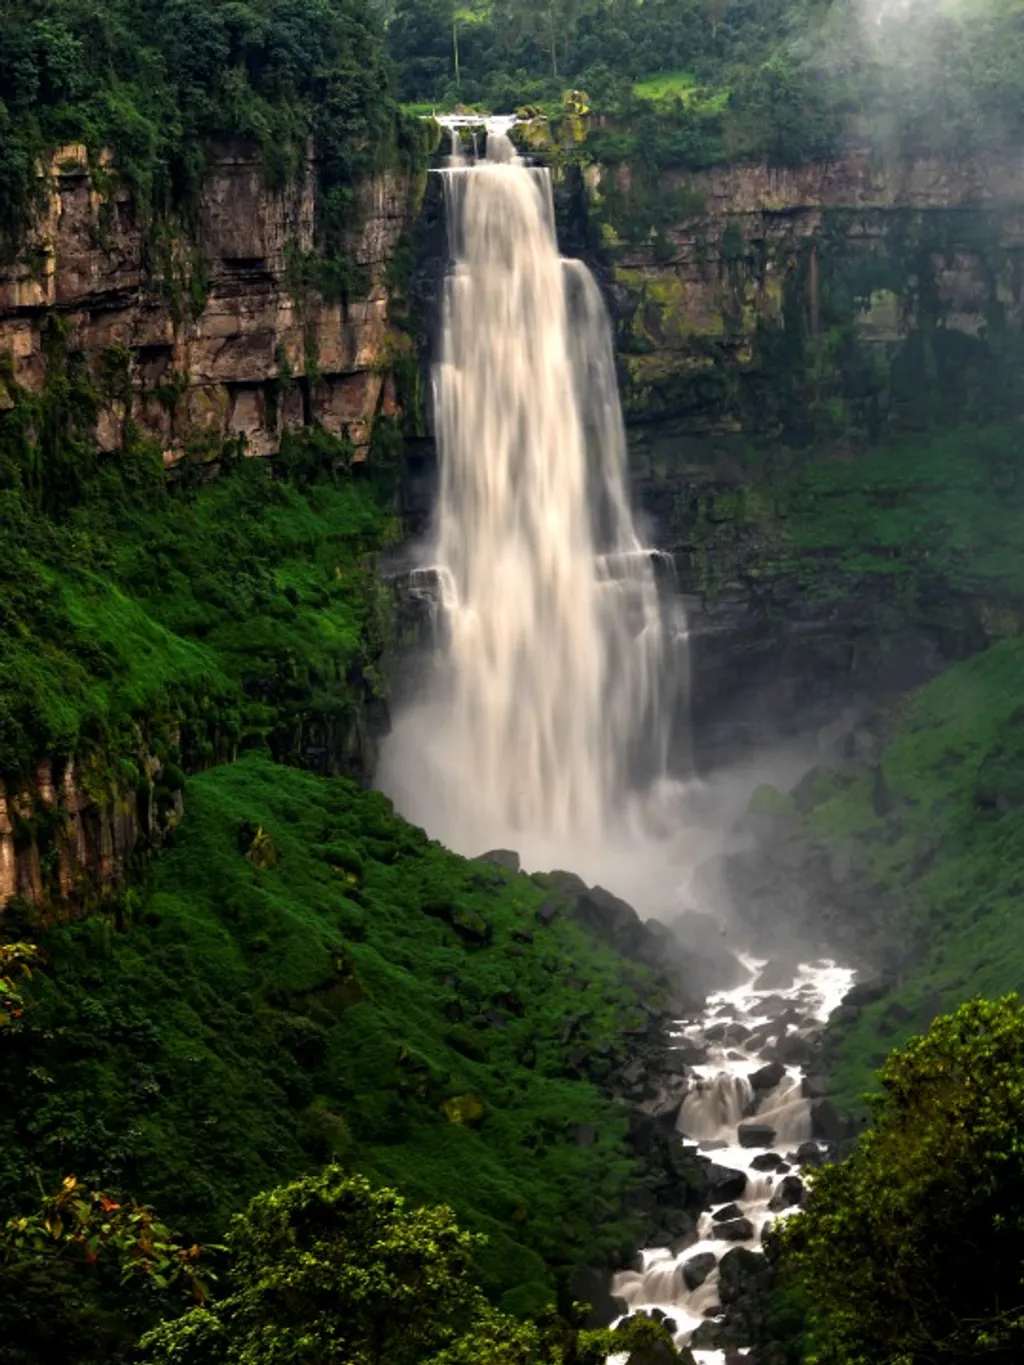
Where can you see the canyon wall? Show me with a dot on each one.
(204, 335)
(226, 334)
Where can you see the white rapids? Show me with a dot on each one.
(741, 1030)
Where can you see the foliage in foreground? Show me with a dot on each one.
(330, 1269)
(911, 1249)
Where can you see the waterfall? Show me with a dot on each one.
(555, 691)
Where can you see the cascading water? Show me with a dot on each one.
(558, 678)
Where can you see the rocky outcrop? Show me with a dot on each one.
(764, 264)
(201, 336)
(70, 834)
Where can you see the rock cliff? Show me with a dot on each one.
(203, 335)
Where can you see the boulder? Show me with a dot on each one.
(697, 1269)
(768, 1077)
(726, 1213)
(724, 1183)
(767, 1161)
(826, 1125)
(500, 857)
(735, 1230)
(593, 1287)
(755, 1134)
(742, 1273)
(809, 1154)
(788, 1193)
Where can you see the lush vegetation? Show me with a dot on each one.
(330, 1269)
(157, 80)
(706, 80)
(910, 1250)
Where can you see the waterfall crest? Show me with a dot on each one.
(554, 694)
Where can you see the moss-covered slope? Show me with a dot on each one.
(931, 840)
(347, 990)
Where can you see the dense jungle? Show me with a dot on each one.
(511, 682)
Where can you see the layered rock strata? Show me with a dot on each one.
(197, 337)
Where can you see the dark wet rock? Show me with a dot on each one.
(814, 1087)
(735, 1230)
(725, 1183)
(685, 1239)
(825, 1122)
(593, 1286)
(773, 1006)
(697, 1269)
(767, 1161)
(788, 1192)
(716, 1033)
(548, 912)
(809, 1154)
(768, 1077)
(501, 857)
(691, 1054)
(863, 993)
(665, 1105)
(843, 1016)
(741, 1274)
(566, 883)
(726, 1213)
(707, 1336)
(755, 1134)
(793, 1050)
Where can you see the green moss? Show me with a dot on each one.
(944, 851)
(258, 1018)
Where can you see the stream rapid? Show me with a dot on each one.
(749, 1114)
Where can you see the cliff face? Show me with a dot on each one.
(210, 335)
(806, 357)
(857, 291)
(193, 340)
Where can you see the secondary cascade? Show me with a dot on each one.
(555, 691)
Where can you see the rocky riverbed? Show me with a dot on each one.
(756, 1120)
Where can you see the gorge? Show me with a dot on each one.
(422, 771)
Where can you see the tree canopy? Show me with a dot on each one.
(911, 1250)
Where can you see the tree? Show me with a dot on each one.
(82, 1272)
(911, 1250)
(328, 1269)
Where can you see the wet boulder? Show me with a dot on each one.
(826, 1125)
(767, 1161)
(742, 1274)
(697, 1269)
(724, 1183)
(789, 1193)
(726, 1213)
(755, 1134)
(735, 1230)
(500, 857)
(768, 1077)
(809, 1154)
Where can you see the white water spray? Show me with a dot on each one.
(556, 690)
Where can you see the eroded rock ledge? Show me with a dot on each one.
(200, 336)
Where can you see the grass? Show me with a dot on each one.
(250, 600)
(948, 860)
(256, 1021)
(682, 85)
